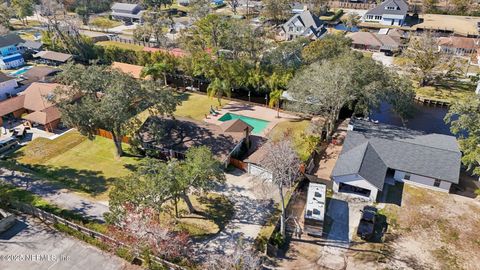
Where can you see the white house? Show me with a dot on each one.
(375, 155)
(8, 86)
(304, 24)
(390, 12)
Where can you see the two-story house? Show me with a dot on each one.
(127, 12)
(10, 56)
(304, 24)
(390, 12)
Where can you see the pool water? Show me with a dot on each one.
(20, 71)
(257, 124)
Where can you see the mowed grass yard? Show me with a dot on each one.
(298, 130)
(194, 106)
(430, 230)
(449, 91)
(79, 164)
(121, 45)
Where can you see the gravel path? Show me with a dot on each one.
(253, 205)
(61, 197)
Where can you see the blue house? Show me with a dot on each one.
(10, 56)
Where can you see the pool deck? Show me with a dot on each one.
(252, 111)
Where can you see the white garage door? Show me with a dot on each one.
(259, 172)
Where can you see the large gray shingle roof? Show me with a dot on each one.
(383, 146)
(402, 8)
(308, 20)
(9, 40)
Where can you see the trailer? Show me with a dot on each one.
(315, 209)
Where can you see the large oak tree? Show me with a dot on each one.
(108, 99)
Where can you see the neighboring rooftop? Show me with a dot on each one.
(133, 70)
(30, 44)
(370, 149)
(5, 78)
(312, 24)
(10, 40)
(38, 73)
(393, 7)
(54, 56)
(458, 42)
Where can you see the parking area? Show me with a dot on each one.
(34, 245)
(387, 61)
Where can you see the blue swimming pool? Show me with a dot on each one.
(20, 71)
(257, 124)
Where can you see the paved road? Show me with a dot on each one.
(61, 197)
(253, 205)
(31, 237)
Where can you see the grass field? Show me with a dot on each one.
(79, 164)
(303, 143)
(104, 22)
(120, 45)
(214, 212)
(193, 106)
(447, 91)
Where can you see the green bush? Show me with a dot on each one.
(477, 191)
(77, 234)
(277, 239)
(124, 253)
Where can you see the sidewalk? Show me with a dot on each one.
(61, 197)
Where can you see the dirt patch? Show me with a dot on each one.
(431, 230)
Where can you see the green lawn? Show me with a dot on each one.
(11, 193)
(304, 144)
(18, 25)
(215, 211)
(193, 106)
(104, 22)
(447, 91)
(120, 45)
(79, 164)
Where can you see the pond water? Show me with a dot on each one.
(428, 118)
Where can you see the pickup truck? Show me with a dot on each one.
(366, 227)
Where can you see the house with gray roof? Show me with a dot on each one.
(127, 12)
(390, 12)
(304, 24)
(375, 155)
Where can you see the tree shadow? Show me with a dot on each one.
(219, 209)
(88, 181)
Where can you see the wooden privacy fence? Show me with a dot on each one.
(49, 217)
(338, 4)
(239, 164)
(108, 135)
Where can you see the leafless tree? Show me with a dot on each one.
(242, 258)
(283, 162)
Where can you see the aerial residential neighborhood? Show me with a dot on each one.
(231, 134)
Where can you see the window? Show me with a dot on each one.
(407, 176)
(378, 17)
(437, 183)
(290, 29)
(299, 28)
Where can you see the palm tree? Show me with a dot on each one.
(275, 98)
(351, 21)
(158, 70)
(218, 88)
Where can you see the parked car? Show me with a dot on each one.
(366, 227)
(7, 144)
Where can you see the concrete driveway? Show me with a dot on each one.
(253, 203)
(52, 249)
(382, 58)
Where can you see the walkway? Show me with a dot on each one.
(252, 111)
(61, 197)
(253, 205)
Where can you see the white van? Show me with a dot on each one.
(7, 144)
